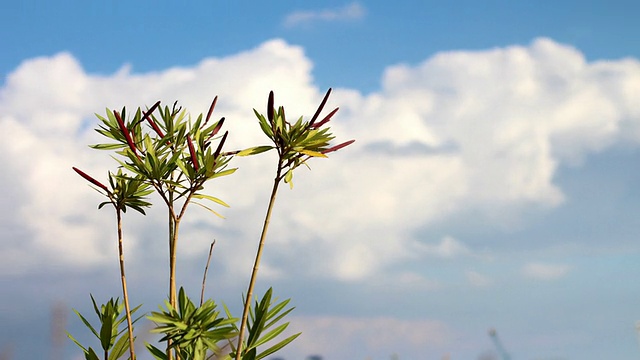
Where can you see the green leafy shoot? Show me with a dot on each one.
(264, 326)
(191, 329)
(295, 142)
(113, 339)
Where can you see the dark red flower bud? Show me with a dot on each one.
(147, 116)
(90, 179)
(270, 108)
(217, 128)
(338, 147)
(151, 110)
(224, 138)
(324, 101)
(176, 109)
(155, 127)
(214, 132)
(126, 133)
(213, 105)
(192, 152)
(325, 120)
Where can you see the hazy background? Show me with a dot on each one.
(494, 182)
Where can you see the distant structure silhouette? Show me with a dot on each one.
(496, 341)
(58, 333)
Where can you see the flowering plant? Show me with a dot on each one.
(163, 150)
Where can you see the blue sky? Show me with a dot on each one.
(494, 181)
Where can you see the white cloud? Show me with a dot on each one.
(448, 247)
(480, 132)
(358, 338)
(543, 271)
(478, 280)
(352, 11)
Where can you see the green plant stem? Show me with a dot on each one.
(174, 226)
(172, 284)
(173, 242)
(256, 264)
(206, 269)
(125, 293)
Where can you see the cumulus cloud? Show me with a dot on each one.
(47, 107)
(352, 11)
(544, 271)
(481, 131)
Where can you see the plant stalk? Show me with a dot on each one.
(172, 284)
(125, 293)
(172, 261)
(206, 269)
(256, 264)
(172, 272)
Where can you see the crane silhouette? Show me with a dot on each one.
(504, 355)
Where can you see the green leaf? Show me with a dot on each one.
(121, 346)
(277, 346)
(91, 355)
(182, 166)
(313, 153)
(157, 353)
(77, 342)
(288, 177)
(270, 335)
(87, 324)
(106, 146)
(106, 332)
(224, 173)
(278, 318)
(96, 309)
(255, 150)
(208, 197)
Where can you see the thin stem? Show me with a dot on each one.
(172, 262)
(206, 269)
(174, 225)
(125, 294)
(256, 264)
(172, 291)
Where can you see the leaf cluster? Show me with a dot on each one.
(264, 326)
(172, 153)
(190, 329)
(113, 339)
(295, 142)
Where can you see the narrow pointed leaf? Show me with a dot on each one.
(313, 153)
(212, 198)
(278, 346)
(210, 209)
(255, 150)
